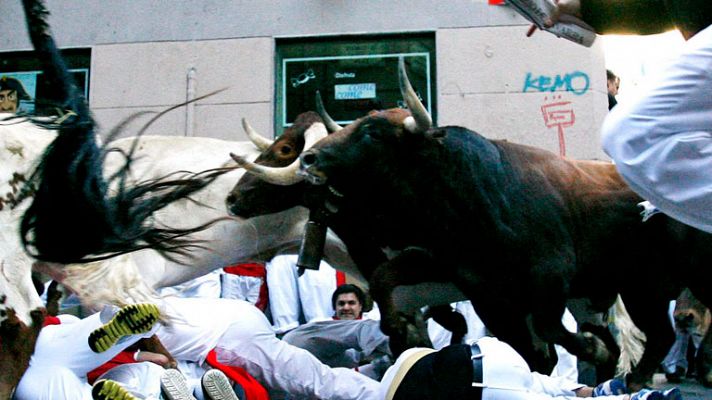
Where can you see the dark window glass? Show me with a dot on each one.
(27, 69)
(354, 74)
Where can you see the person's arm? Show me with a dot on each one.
(641, 17)
(662, 142)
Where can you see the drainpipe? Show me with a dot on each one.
(190, 107)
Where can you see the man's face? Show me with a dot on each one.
(613, 86)
(348, 306)
(8, 101)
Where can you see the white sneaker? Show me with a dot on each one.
(174, 386)
(216, 386)
(133, 319)
(539, 12)
(106, 389)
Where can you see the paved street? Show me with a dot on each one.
(690, 388)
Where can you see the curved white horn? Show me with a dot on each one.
(313, 134)
(420, 114)
(321, 110)
(261, 142)
(283, 176)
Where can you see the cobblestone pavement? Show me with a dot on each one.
(691, 389)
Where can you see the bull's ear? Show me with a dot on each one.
(437, 133)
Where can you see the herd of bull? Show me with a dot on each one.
(442, 210)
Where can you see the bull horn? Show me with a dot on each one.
(330, 123)
(261, 142)
(421, 118)
(283, 176)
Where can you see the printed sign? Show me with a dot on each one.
(355, 91)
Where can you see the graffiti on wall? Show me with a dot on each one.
(558, 114)
(576, 82)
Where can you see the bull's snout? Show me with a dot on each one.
(308, 159)
(230, 203)
(308, 167)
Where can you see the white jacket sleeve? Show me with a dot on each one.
(554, 387)
(662, 142)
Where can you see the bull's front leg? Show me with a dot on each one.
(549, 303)
(17, 343)
(407, 268)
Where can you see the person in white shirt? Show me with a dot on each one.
(488, 369)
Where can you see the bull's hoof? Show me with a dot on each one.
(706, 380)
(597, 352)
(675, 377)
(406, 332)
(636, 381)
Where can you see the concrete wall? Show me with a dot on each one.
(127, 78)
(82, 23)
(143, 50)
(496, 81)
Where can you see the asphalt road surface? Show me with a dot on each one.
(691, 389)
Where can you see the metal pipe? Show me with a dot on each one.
(190, 107)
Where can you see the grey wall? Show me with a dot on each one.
(81, 23)
(143, 50)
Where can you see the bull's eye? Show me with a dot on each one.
(285, 150)
(373, 132)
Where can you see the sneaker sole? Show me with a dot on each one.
(110, 390)
(217, 386)
(174, 386)
(133, 319)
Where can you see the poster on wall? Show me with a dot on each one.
(351, 85)
(31, 91)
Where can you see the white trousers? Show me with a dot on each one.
(662, 142)
(251, 344)
(566, 366)
(242, 336)
(507, 376)
(291, 295)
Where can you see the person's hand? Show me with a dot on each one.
(155, 358)
(564, 8)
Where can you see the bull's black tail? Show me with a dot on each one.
(72, 217)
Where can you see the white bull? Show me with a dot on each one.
(20, 144)
(231, 241)
(228, 242)
(133, 277)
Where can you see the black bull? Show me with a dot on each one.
(517, 229)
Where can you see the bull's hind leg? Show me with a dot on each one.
(17, 343)
(703, 361)
(586, 346)
(509, 324)
(650, 315)
(449, 319)
(548, 305)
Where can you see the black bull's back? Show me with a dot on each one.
(517, 229)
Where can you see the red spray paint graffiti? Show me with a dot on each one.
(560, 115)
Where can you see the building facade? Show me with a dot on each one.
(469, 61)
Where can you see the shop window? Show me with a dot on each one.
(354, 74)
(24, 67)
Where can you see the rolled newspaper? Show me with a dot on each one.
(567, 27)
